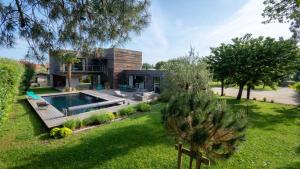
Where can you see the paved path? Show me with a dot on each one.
(283, 95)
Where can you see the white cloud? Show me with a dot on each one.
(247, 20)
(167, 38)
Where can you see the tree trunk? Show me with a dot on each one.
(222, 87)
(69, 76)
(248, 91)
(239, 96)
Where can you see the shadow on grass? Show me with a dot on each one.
(294, 165)
(99, 146)
(39, 127)
(261, 118)
(45, 90)
(287, 116)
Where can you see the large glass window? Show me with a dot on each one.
(156, 84)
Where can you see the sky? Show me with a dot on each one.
(177, 25)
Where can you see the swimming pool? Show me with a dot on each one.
(64, 101)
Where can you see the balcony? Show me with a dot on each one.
(80, 68)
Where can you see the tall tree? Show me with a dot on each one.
(159, 65)
(147, 66)
(78, 24)
(69, 58)
(220, 63)
(194, 116)
(254, 61)
(284, 11)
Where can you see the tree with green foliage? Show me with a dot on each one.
(27, 76)
(68, 58)
(284, 11)
(147, 66)
(77, 24)
(220, 63)
(255, 61)
(194, 116)
(159, 65)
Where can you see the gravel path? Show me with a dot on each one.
(283, 95)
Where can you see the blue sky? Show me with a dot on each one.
(178, 24)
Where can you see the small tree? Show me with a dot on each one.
(159, 65)
(221, 64)
(69, 58)
(147, 66)
(193, 115)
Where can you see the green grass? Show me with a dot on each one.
(44, 90)
(140, 142)
(258, 87)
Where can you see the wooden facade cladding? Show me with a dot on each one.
(125, 60)
(110, 64)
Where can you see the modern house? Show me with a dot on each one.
(111, 68)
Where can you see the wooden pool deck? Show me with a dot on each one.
(53, 117)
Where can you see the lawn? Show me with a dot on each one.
(258, 87)
(140, 142)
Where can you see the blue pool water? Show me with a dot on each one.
(69, 100)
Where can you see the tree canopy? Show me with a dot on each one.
(147, 66)
(159, 65)
(77, 24)
(249, 61)
(284, 11)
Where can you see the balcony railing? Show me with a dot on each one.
(81, 68)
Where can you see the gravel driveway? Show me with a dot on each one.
(283, 95)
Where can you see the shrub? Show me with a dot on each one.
(55, 132)
(98, 119)
(10, 78)
(143, 107)
(60, 132)
(65, 132)
(126, 111)
(116, 114)
(264, 99)
(254, 98)
(92, 120)
(71, 124)
(296, 86)
(104, 118)
(111, 115)
(79, 124)
(272, 101)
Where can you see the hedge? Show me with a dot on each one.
(11, 72)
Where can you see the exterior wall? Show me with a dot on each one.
(149, 76)
(42, 80)
(54, 64)
(125, 60)
(115, 61)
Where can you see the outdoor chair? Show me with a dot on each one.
(32, 95)
(42, 105)
(119, 94)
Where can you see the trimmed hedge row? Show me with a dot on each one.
(11, 73)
